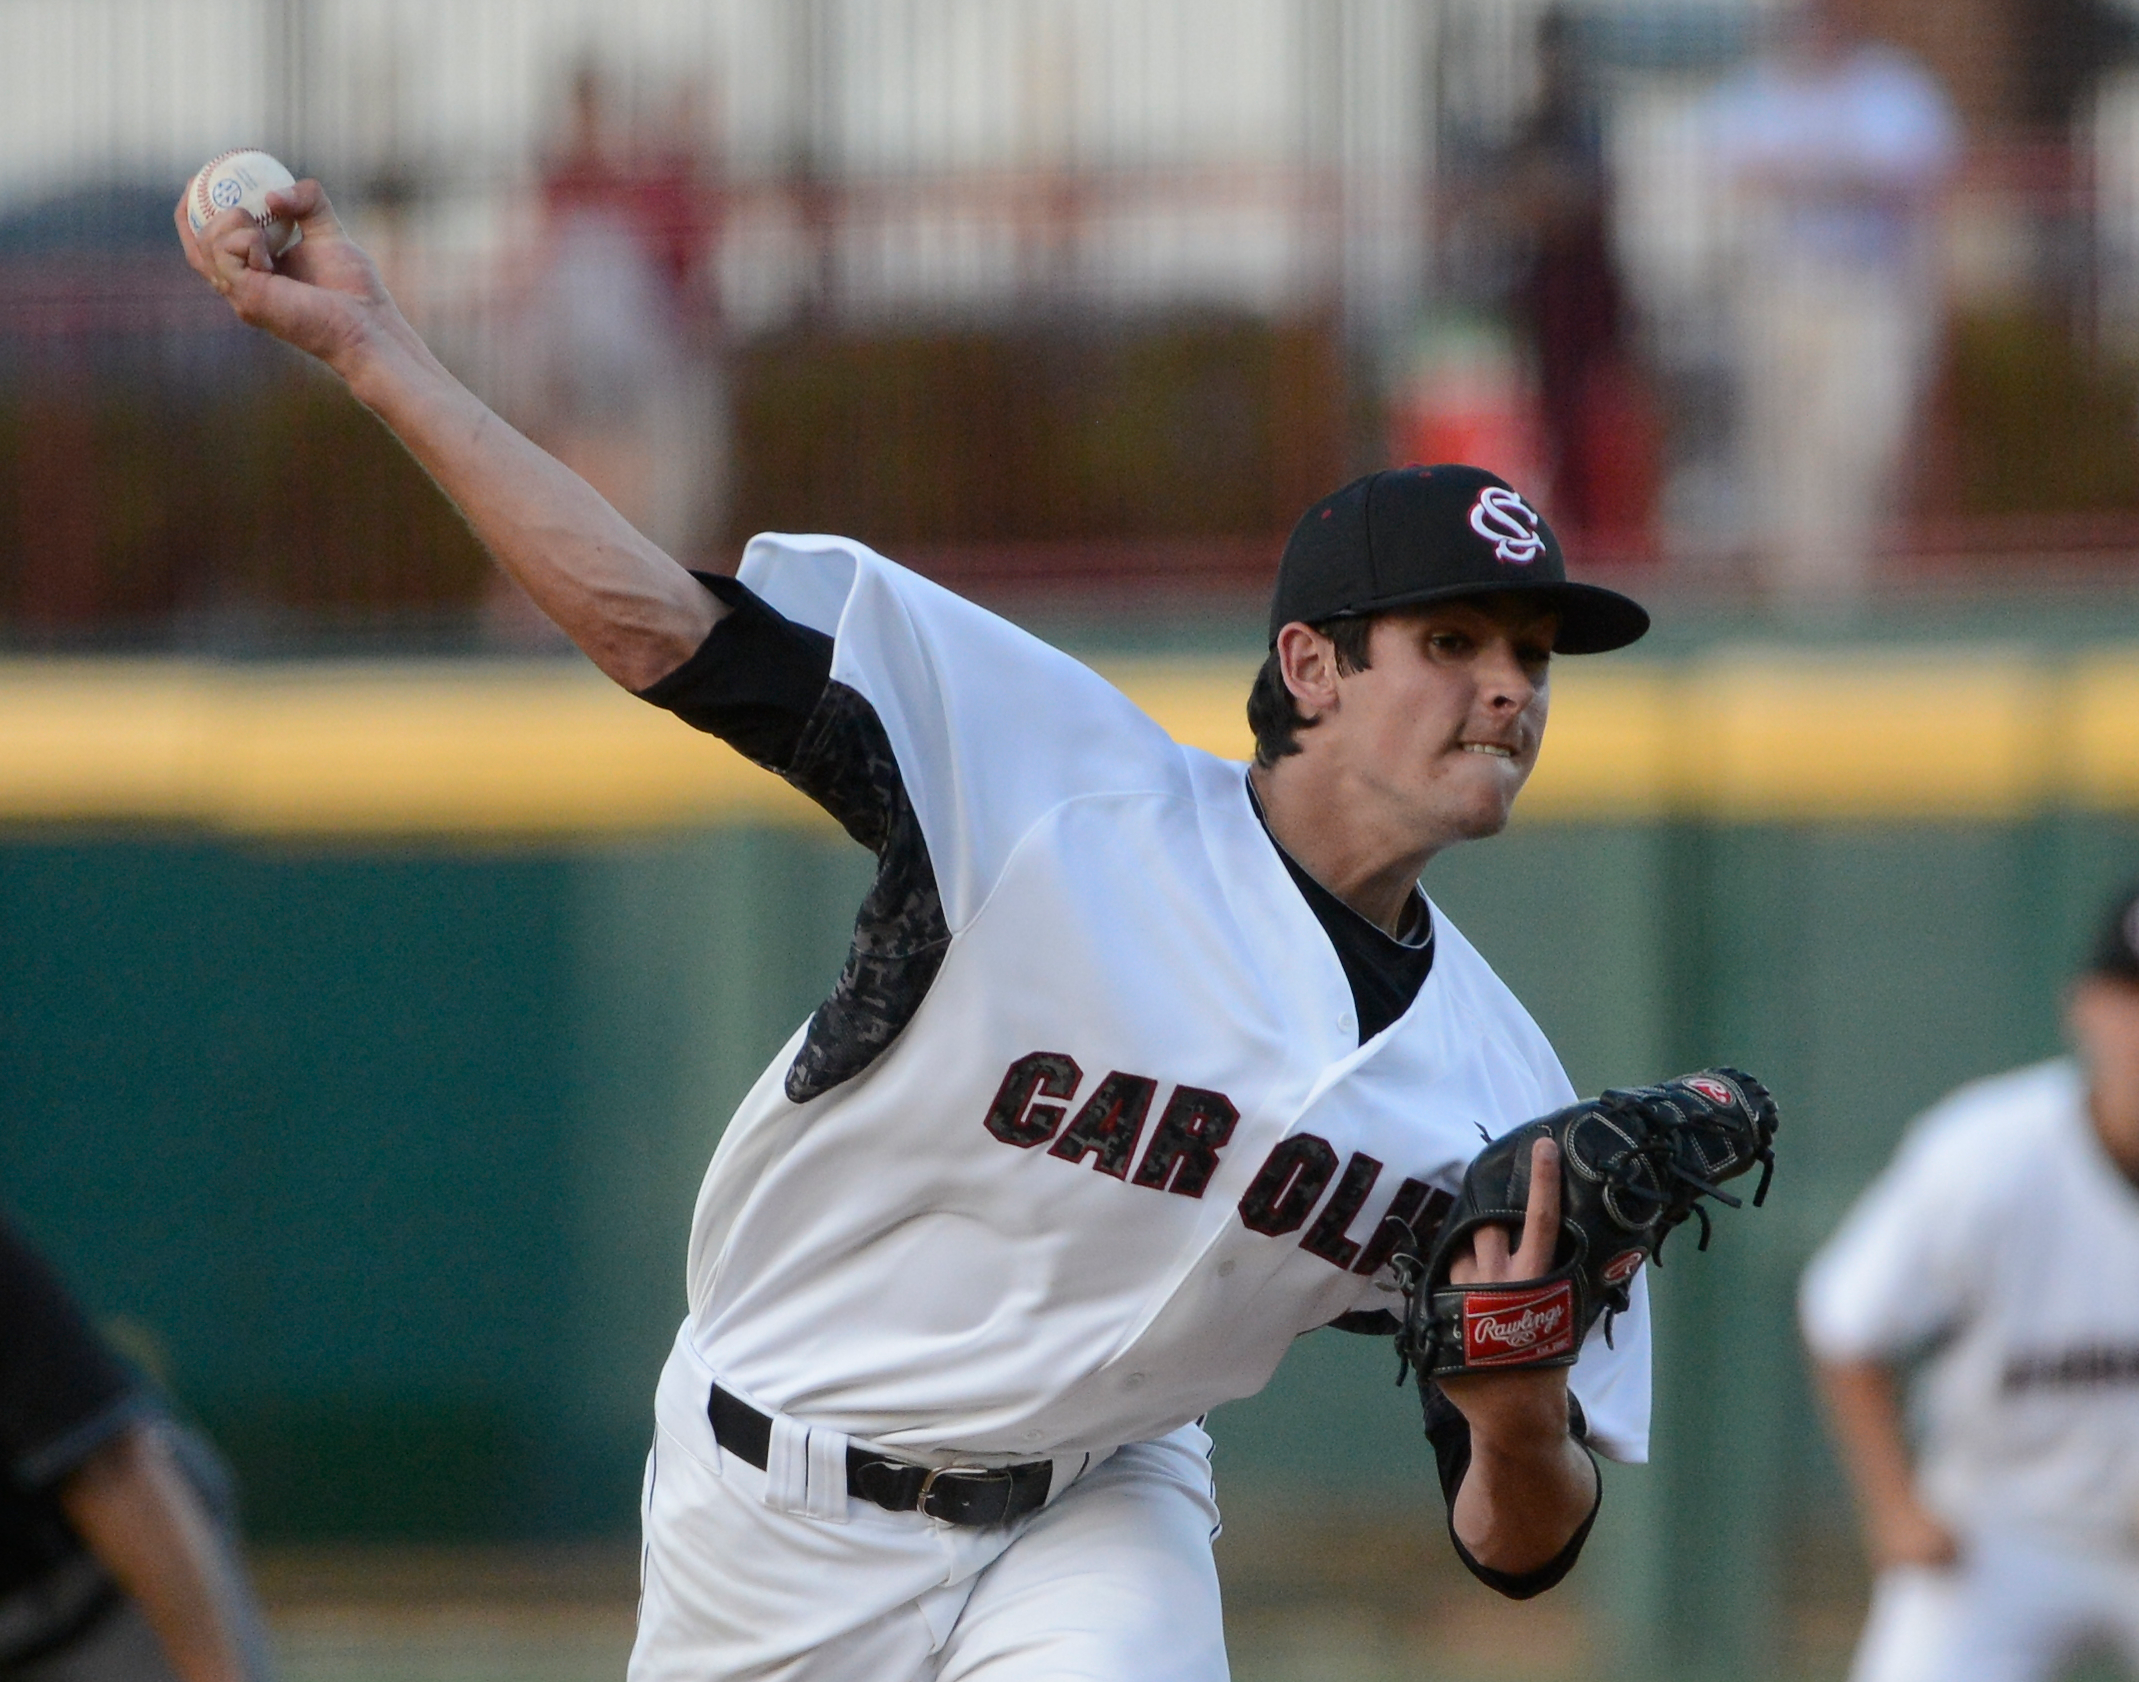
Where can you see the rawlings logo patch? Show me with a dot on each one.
(1624, 1266)
(1508, 523)
(1713, 1090)
(1502, 1328)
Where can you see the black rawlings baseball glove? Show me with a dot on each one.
(1633, 1165)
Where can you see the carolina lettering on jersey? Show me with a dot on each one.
(1192, 1129)
(1182, 1156)
(1110, 1124)
(1414, 1216)
(1289, 1184)
(1184, 1150)
(1016, 1117)
(2095, 1366)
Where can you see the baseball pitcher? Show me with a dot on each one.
(1142, 1064)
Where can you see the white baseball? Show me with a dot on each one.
(241, 181)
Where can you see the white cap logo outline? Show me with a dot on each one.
(1509, 524)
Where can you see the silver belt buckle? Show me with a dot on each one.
(928, 1487)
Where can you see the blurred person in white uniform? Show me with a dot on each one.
(1833, 152)
(2000, 1249)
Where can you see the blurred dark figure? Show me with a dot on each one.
(1834, 150)
(1600, 431)
(116, 1559)
(2064, 48)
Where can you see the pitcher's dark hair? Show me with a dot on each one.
(1272, 713)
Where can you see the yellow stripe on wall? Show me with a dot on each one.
(2096, 731)
(367, 749)
(1754, 736)
(552, 749)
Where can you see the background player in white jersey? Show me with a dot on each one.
(2001, 1248)
(1140, 1065)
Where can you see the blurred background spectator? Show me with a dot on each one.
(1834, 150)
(1597, 417)
(625, 316)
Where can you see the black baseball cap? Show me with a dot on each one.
(1409, 536)
(2116, 946)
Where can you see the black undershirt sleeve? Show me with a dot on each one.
(763, 684)
(754, 681)
(1450, 1434)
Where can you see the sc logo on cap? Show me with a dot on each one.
(1505, 521)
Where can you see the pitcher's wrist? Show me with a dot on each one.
(1516, 1414)
(382, 358)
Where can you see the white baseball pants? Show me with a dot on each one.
(1832, 367)
(2015, 1610)
(1111, 1581)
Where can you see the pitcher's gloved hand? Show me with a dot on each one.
(1633, 1165)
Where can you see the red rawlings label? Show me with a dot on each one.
(1624, 1266)
(1712, 1089)
(1506, 1328)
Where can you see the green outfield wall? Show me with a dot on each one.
(367, 1099)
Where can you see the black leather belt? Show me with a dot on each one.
(973, 1495)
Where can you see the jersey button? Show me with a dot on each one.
(1347, 1024)
(1135, 1381)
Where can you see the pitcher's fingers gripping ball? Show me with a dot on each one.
(241, 180)
(1633, 1165)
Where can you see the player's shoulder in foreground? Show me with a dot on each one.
(1979, 1148)
(1916, 1242)
(1998, 1117)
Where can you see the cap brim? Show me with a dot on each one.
(1593, 620)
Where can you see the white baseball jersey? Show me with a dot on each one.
(1128, 1146)
(2004, 1239)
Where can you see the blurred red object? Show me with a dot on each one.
(1609, 479)
(1464, 397)
(1501, 438)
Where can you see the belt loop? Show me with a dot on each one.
(1068, 1469)
(787, 1466)
(827, 1463)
